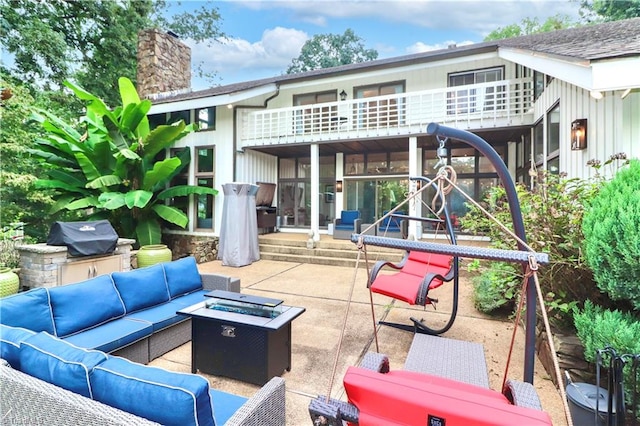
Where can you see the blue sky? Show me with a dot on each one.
(263, 36)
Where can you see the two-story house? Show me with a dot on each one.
(349, 137)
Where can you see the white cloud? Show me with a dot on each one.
(479, 16)
(423, 47)
(271, 54)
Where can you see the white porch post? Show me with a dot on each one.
(315, 193)
(415, 227)
(339, 198)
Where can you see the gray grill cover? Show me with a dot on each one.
(239, 231)
(84, 238)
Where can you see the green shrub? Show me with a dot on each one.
(611, 227)
(599, 328)
(496, 287)
(552, 215)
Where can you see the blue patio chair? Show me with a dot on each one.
(348, 223)
(393, 226)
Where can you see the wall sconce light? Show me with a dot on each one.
(579, 134)
(338, 186)
(343, 95)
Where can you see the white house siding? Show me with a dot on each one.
(423, 76)
(613, 124)
(253, 166)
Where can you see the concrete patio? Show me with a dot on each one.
(324, 292)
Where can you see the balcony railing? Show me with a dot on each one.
(494, 104)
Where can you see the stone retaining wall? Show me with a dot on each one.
(570, 353)
(204, 249)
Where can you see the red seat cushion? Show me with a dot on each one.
(405, 284)
(409, 398)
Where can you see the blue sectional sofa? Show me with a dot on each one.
(58, 350)
(130, 314)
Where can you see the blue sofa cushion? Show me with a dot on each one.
(84, 305)
(225, 405)
(166, 397)
(190, 299)
(10, 339)
(160, 316)
(111, 336)
(182, 276)
(30, 309)
(142, 288)
(58, 362)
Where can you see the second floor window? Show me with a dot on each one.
(470, 100)
(316, 117)
(386, 111)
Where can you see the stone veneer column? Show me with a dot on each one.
(164, 63)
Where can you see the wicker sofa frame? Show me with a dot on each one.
(27, 400)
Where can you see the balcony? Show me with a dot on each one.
(479, 106)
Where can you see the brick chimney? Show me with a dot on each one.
(164, 64)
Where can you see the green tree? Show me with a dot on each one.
(331, 50)
(92, 42)
(20, 203)
(609, 10)
(531, 26)
(108, 165)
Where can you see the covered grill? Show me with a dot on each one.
(84, 238)
(265, 212)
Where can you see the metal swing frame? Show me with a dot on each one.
(522, 255)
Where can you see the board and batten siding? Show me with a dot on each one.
(612, 125)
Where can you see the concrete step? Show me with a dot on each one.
(326, 252)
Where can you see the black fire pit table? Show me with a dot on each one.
(241, 336)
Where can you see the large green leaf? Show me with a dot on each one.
(160, 174)
(132, 115)
(52, 158)
(160, 138)
(61, 203)
(171, 214)
(104, 182)
(182, 190)
(138, 198)
(128, 92)
(148, 231)
(129, 154)
(88, 168)
(102, 156)
(114, 133)
(56, 125)
(75, 179)
(96, 104)
(57, 184)
(83, 203)
(111, 200)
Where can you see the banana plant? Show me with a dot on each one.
(107, 165)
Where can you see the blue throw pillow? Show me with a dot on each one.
(156, 394)
(84, 305)
(10, 339)
(142, 288)
(182, 276)
(29, 310)
(58, 362)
